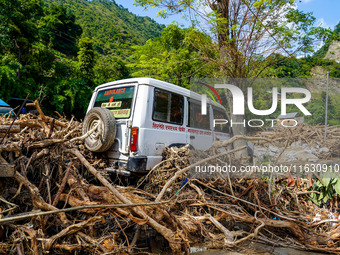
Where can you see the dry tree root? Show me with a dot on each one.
(170, 235)
(307, 134)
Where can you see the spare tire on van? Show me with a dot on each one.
(102, 138)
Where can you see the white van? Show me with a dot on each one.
(141, 116)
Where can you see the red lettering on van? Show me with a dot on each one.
(114, 91)
(157, 125)
(167, 127)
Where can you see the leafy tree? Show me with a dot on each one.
(171, 57)
(65, 89)
(72, 96)
(58, 29)
(110, 68)
(318, 108)
(247, 30)
(86, 57)
(288, 67)
(8, 78)
(249, 34)
(18, 30)
(42, 61)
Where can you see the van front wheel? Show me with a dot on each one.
(102, 138)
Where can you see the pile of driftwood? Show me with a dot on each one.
(306, 134)
(60, 200)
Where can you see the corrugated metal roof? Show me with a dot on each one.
(2, 103)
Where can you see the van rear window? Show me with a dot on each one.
(117, 100)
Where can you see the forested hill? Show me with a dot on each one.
(59, 50)
(112, 27)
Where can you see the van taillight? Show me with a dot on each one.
(133, 140)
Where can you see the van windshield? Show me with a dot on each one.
(117, 100)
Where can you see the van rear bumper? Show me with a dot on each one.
(137, 164)
(133, 164)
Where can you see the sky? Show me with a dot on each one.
(150, 12)
(326, 12)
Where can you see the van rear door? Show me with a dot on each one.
(119, 99)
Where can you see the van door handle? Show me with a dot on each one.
(192, 137)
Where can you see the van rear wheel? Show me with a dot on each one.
(103, 137)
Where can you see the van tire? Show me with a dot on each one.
(102, 142)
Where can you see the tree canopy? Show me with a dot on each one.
(249, 33)
(172, 56)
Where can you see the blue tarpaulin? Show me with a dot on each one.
(2, 103)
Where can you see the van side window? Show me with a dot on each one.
(168, 107)
(196, 119)
(219, 114)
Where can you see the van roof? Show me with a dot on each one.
(162, 85)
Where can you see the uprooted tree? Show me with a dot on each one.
(248, 34)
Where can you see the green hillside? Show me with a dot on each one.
(321, 53)
(112, 27)
(59, 50)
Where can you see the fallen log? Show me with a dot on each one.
(77, 208)
(10, 147)
(13, 129)
(46, 118)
